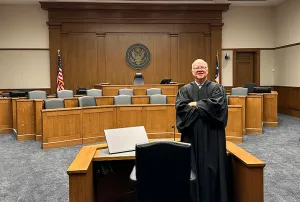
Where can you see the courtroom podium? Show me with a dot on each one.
(96, 176)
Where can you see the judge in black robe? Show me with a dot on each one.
(201, 118)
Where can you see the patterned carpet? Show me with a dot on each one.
(28, 173)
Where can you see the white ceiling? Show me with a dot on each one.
(234, 2)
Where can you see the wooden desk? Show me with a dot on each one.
(6, 118)
(69, 126)
(270, 105)
(29, 111)
(252, 112)
(112, 90)
(246, 174)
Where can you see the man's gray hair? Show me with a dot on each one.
(201, 61)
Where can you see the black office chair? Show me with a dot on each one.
(138, 79)
(163, 172)
(81, 91)
(250, 87)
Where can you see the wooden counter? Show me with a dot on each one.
(69, 126)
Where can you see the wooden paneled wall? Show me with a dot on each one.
(288, 100)
(93, 39)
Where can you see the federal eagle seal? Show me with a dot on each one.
(138, 56)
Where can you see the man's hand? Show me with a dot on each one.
(193, 104)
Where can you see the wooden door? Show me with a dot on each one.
(244, 68)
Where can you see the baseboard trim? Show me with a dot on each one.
(6, 131)
(271, 124)
(254, 131)
(38, 138)
(51, 145)
(25, 137)
(93, 139)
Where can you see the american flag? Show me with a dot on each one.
(217, 69)
(60, 78)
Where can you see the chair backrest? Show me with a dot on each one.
(126, 91)
(54, 103)
(250, 87)
(94, 92)
(37, 94)
(122, 99)
(227, 99)
(163, 171)
(138, 79)
(239, 91)
(158, 99)
(65, 94)
(153, 91)
(86, 101)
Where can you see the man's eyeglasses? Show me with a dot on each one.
(198, 68)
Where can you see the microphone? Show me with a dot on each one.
(174, 131)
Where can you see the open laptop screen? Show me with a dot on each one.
(124, 139)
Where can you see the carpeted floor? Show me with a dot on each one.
(279, 148)
(28, 173)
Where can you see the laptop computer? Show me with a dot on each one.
(125, 139)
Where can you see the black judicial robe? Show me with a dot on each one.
(204, 128)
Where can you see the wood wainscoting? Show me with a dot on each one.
(288, 100)
(94, 37)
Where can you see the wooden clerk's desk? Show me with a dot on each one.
(26, 114)
(270, 102)
(85, 183)
(254, 104)
(28, 119)
(112, 90)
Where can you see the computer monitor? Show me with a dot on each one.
(262, 89)
(17, 94)
(125, 139)
(165, 81)
(81, 91)
(250, 87)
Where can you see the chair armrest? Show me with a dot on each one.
(133, 175)
(193, 176)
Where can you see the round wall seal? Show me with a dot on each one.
(138, 56)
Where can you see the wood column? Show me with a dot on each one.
(54, 42)
(216, 46)
(207, 48)
(174, 56)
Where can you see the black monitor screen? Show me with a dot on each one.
(262, 89)
(165, 81)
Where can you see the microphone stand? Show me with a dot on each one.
(174, 132)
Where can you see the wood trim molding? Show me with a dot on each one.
(287, 46)
(23, 49)
(256, 61)
(130, 5)
(276, 48)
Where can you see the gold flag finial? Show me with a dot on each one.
(58, 51)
